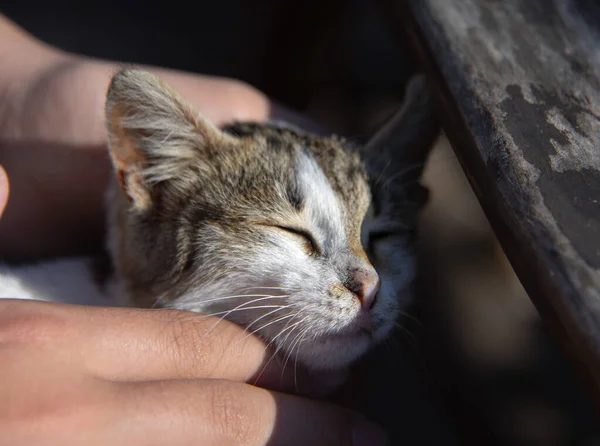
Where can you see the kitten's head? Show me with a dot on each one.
(256, 223)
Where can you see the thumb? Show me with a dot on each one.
(4, 188)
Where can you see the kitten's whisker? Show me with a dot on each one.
(401, 185)
(411, 317)
(291, 349)
(158, 301)
(258, 329)
(401, 174)
(218, 299)
(405, 331)
(267, 324)
(259, 287)
(210, 315)
(278, 347)
(283, 343)
(282, 318)
(237, 308)
(267, 314)
(285, 328)
(270, 288)
(260, 298)
(382, 172)
(288, 354)
(283, 331)
(296, 361)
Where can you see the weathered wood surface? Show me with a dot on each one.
(518, 82)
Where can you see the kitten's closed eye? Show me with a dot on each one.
(378, 236)
(406, 235)
(385, 234)
(310, 244)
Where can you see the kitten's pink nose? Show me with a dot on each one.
(366, 286)
(369, 292)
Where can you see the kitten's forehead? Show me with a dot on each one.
(321, 207)
(347, 185)
(320, 178)
(329, 186)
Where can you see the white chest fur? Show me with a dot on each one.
(64, 281)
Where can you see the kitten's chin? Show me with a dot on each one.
(335, 352)
(338, 351)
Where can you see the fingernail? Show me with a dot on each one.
(369, 434)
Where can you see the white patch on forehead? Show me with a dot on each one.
(321, 206)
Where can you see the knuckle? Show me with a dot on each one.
(20, 326)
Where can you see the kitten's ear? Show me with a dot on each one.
(398, 151)
(153, 134)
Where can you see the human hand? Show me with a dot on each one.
(75, 375)
(86, 375)
(53, 140)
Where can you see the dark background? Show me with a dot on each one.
(443, 379)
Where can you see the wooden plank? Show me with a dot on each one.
(518, 83)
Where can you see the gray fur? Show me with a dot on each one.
(197, 215)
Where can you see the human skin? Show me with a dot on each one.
(74, 375)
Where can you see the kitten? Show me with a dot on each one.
(288, 234)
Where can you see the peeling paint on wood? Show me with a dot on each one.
(524, 79)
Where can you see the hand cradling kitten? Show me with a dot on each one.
(305, 241)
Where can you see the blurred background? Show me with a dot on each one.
(473, 363)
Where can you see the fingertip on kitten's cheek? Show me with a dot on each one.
(4, 190)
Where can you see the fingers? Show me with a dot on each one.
(4, 189)
(218, 412)
(222, 100)
(124, 344)
(43, 345)
(164, 344)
